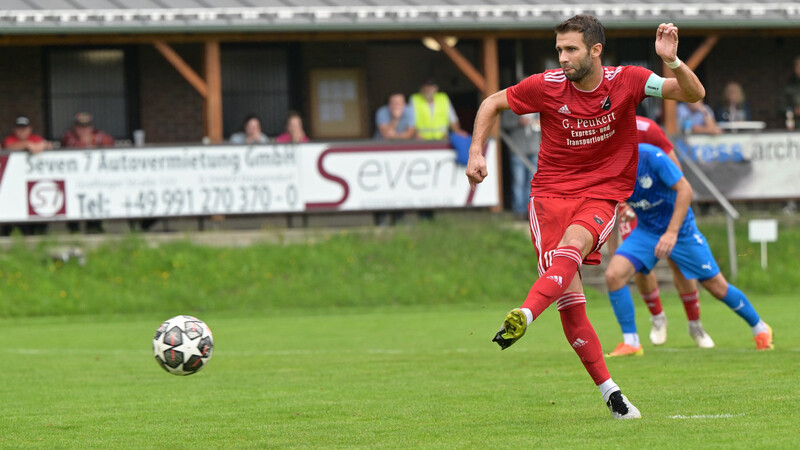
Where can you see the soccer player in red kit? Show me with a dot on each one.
(587, 164)
(651, 133)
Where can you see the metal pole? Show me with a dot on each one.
(732, 246)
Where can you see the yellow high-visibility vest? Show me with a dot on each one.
(432, 126)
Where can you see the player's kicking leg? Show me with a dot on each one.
(729, 294)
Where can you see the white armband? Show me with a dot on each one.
(653, 86)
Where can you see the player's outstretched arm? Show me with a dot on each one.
(685, 87)
(487, 114)
(682, 202)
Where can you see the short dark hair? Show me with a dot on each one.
(248, 118)
(593, 31)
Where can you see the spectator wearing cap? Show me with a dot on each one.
(434, 115)
(23, 139)
(83, 134)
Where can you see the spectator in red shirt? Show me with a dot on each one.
(294, 130)
(83, 134)
(23, 139)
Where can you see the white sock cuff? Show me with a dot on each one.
(760, 327)
(528, 315)
(607, 388)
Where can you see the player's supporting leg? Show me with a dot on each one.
(738, 302)
(687, 290)
(691, 304)
(619, 271)
(584, 341)
(648, 288)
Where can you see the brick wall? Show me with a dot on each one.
(21, 87)
(170, 109)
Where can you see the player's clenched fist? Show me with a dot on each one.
(476, 169)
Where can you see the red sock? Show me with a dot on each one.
(691, 303)
(653, 302)
(555, 280)
(581, 336)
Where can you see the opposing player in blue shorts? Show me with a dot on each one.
(661, 200)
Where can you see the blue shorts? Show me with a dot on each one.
(691, 254)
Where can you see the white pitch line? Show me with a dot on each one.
(706, 416)
(238, 353)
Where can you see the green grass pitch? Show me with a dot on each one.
(395, 376)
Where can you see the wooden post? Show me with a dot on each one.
(213, 106)
(491, 71)
(181, 66)
(463, 64)
(670, 106)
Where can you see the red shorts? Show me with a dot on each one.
(550, 216)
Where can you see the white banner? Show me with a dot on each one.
(747, 166)
(206, 180)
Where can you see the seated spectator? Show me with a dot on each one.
(734, 106)
(395, 119)
(294, 133)
(789, 98)
(23, 139)
(83, 134)
(251, 132)
(697, 118)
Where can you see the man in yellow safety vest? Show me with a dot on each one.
(434, 114)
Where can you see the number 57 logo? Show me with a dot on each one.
(46, 198)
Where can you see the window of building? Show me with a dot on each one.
(255, 80)
(90, 80)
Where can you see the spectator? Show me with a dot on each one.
(434, 115)
(294, 133)
(395, 119)
(526, 135)
(23, 139)
(83, 134)
(789, 100)
(734, 107)
(251, 132)
(697, 118)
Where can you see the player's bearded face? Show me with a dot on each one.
(580, 67)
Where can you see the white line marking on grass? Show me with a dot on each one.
(706, 416)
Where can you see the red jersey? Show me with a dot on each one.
(651, 133)
(589, 140)
(13, 139)
(99, 139)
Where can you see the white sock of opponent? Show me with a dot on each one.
(631, 339)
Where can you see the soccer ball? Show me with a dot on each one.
(183, 345)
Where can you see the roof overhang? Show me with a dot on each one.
(436, 17)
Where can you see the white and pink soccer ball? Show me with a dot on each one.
(183, 345)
